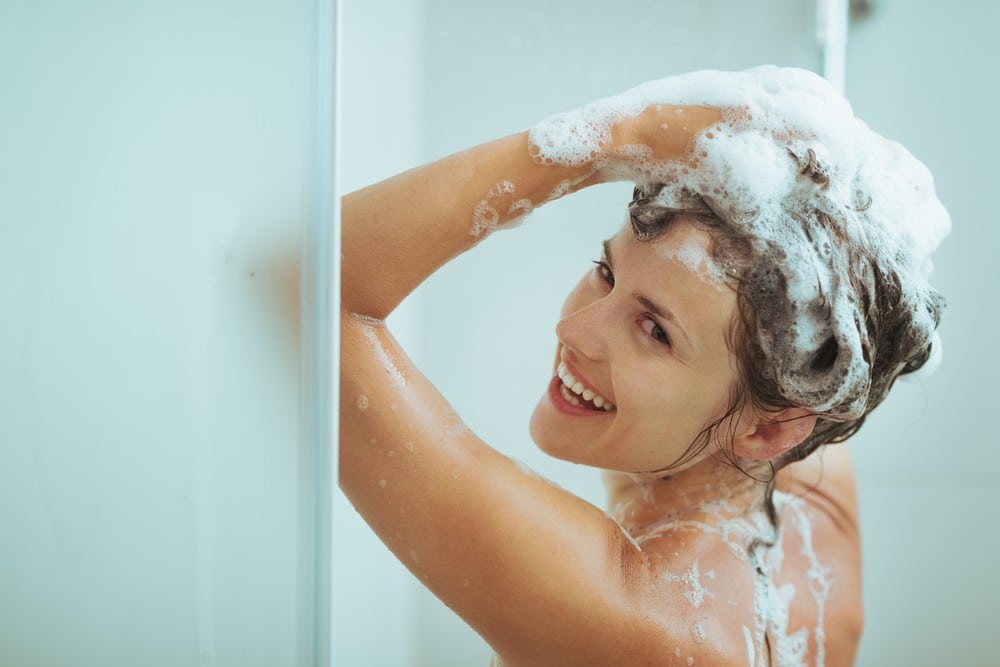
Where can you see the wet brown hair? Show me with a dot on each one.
(895, 344)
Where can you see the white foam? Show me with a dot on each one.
(697, 260)
(371, 330)
(744, 169)
(486, 216)
(772, 603)
(694, 592)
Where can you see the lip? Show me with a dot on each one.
(560, 402)
(564, 406)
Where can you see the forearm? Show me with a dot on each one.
(399, 231)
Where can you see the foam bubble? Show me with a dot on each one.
(486, 216)
(697, 260)
(362, 402)
(694, 592)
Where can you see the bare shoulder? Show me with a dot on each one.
(700, 595)
(722, 593)
(820, 546)
(695, 594)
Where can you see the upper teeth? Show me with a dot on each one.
(575, 386)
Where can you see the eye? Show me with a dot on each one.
(654, 330)
(604, 271)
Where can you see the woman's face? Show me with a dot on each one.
(645, 330)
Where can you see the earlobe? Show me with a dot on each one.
(774, 434)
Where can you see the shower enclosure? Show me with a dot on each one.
(164, 475)
(167, 229)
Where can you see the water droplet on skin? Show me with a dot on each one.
(362, 402)
(465, 582)
(677, 652)
(690, 661)
(408, 446)
(454, 474)
(383, 483)
(372, 441)
(414, 556)
(698, 633)
(391, 453)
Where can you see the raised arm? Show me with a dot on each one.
(545, 577)
(399, 231)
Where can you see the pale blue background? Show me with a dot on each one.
(156, 168)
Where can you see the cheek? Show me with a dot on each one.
(673, 402)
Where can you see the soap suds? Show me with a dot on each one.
(808, 183)
(694, 592)
(371, 333)
(486, 217)
(772, 602)
(697, 260)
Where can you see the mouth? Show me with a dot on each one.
(570, 395)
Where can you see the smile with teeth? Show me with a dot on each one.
(573, 390)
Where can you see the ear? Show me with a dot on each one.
(774, 433)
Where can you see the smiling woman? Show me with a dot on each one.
(621, 340)
(717, 341)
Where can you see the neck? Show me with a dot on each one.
(709, 492)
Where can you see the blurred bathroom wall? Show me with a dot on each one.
(923, 73)
(157, 164)
(918, 71)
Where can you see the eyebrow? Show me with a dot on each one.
(659, 311)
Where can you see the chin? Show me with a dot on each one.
(545, 436)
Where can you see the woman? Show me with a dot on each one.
(758, 303)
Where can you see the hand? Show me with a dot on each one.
(626, 137)
(668, 131)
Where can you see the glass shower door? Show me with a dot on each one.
(162, 165)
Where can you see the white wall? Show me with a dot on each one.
(924, 72)
(156, 168)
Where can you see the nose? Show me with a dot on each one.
(585, 330)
